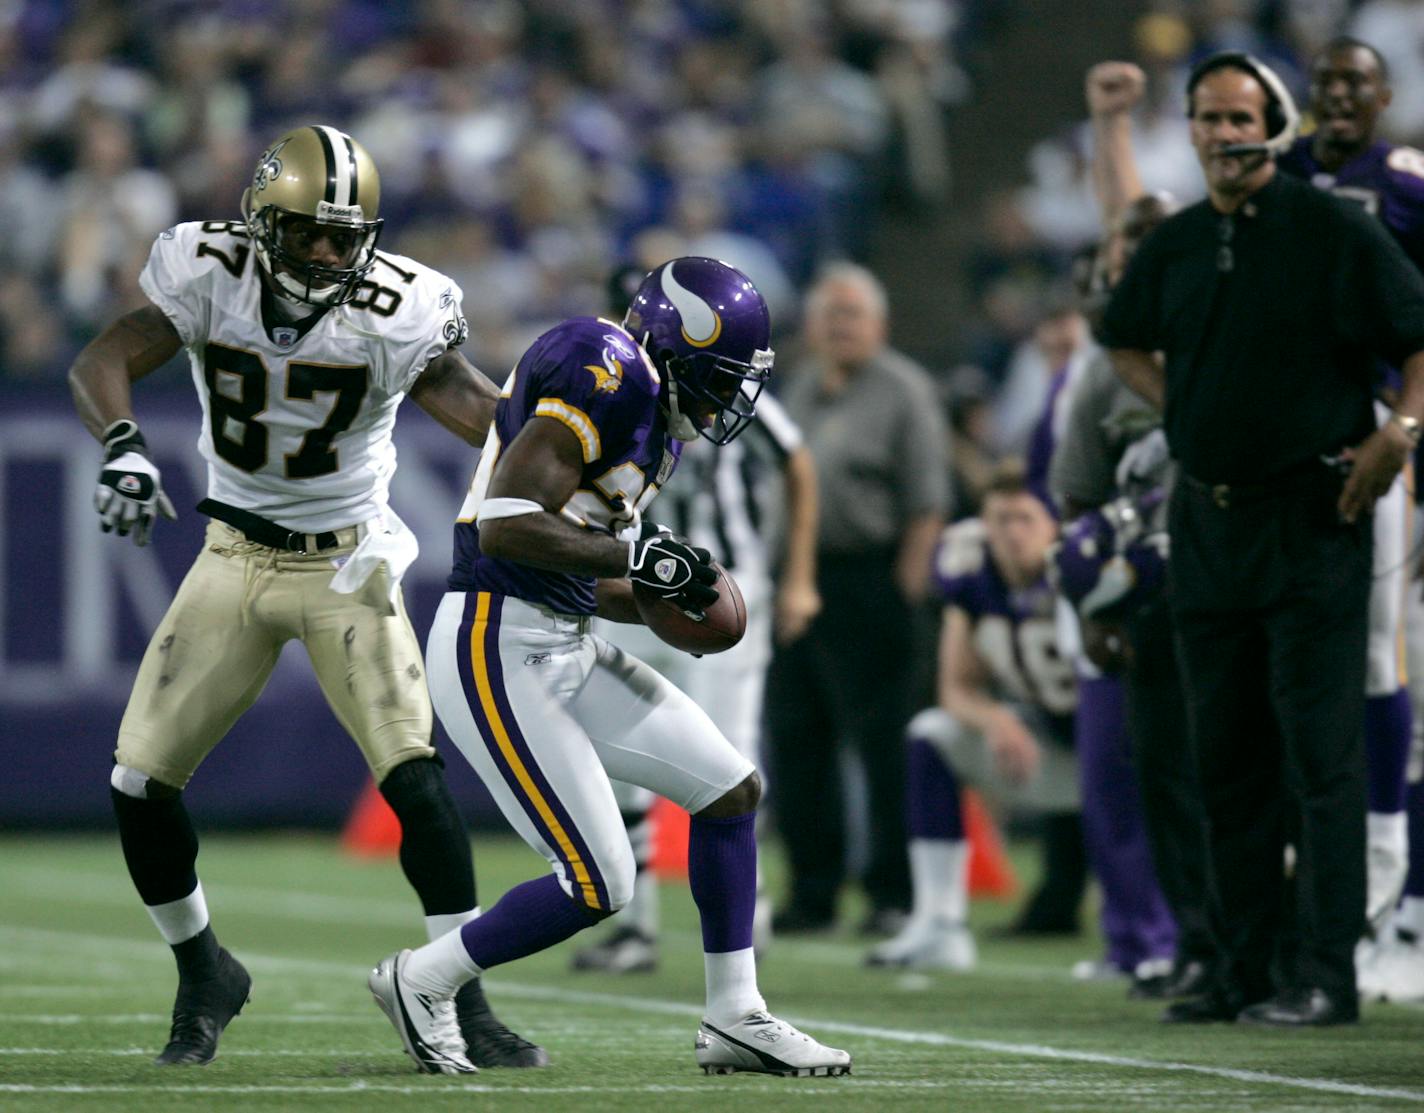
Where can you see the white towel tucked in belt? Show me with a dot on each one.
(387, 539)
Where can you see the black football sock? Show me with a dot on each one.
(435, 847)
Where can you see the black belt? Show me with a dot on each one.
(1312, 473)
(257, 528)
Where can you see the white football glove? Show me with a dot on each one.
(129, 495)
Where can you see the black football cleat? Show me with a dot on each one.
(202, 1010)
(1302, 1008)
(488, 1043)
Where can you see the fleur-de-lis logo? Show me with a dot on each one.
(269, 168)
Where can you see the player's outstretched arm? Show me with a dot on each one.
(456, 394)
(129, 495)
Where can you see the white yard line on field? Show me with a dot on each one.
(93, 943)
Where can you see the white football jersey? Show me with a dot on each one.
(297, 416)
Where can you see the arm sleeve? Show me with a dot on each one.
(1132, 314)
(1083, 464)
(1379, 292)
(564, 386)
(171, 282)
(923, 479)
(432, 324)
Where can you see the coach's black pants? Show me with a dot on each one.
(851, 680)
(1270, 598)
(1167, 774)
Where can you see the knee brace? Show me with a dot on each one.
(435, 847)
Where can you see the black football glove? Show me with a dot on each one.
(129, 495)
(672, 568)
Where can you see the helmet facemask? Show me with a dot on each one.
(273, 229)
(713, 396)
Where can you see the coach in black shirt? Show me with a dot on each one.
(1271, 304)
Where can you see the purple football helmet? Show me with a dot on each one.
(708, 333)
(1112, 560)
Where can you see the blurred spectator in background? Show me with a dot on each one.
(873, 425)
(111, 209)
(1057, 352)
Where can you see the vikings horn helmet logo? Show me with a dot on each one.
(708, 332)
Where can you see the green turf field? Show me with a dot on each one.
(85, 989)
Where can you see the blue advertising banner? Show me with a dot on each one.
(77, 607)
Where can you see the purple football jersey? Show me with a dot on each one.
(1014, 629)
(594, 378)
(1387, 180)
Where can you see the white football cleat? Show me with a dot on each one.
(927, 945)
(764, 1045)
(427, 1025)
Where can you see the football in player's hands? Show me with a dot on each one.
(712, 629)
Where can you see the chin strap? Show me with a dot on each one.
(682, 427)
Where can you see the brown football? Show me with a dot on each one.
(720, 627)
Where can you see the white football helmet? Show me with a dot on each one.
(314, 179)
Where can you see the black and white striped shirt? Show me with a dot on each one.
(721, 498)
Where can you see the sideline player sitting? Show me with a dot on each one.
(1005, 720)
(589, 426)
(303, 340)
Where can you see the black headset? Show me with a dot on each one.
(1282, 116)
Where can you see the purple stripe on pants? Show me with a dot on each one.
(494, 675)
(1136, 920)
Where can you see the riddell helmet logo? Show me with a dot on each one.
(701, 326)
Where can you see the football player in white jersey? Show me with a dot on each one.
(303, 340)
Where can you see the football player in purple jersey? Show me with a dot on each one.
(1349, 89)
(587, 429)
(1004, 723)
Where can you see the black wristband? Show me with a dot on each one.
(123, 436)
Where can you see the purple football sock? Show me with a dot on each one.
(1414, 882)
(721, 872)
(931, 795)
(1388, 725)
(528, 918)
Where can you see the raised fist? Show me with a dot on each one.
(1114, 87)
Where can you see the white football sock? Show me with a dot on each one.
(731, 986)
(939, 871)
(180, 919)
(436, 926)
(641, 911)
(440, 967)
